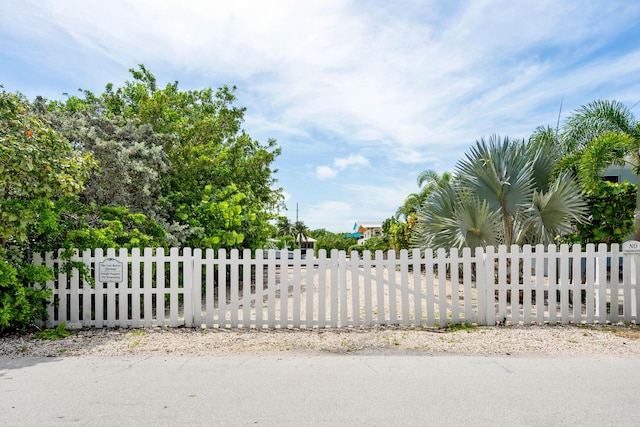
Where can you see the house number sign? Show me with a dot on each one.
(631, 247)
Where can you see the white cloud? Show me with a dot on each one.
(325, 172)
(340, 164)
(352, 160)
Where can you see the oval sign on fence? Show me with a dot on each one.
(631, 247)
(110, 271)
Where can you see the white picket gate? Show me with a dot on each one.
(245, 289)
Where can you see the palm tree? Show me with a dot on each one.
(503, 192)
(428, 180)
(284, 226)
(602, 133)
(300, 232)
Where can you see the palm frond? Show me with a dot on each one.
(599, 154)
(555, 212)
(595, 119)
(452, 219)
(500, 172)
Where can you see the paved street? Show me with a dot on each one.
(319, 390)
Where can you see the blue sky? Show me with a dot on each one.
(361, 95)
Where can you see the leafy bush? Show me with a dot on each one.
(21, 305)
(611, 214)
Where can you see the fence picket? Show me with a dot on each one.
(310, 292)
(526, 284)
(196, 288)
(297, 289)
(614, 281)
(355, 288)
(380, 297)
(366, 272)
(391, 280)
(430, 287)
(322, 288)
(627, 285)
(342, 286)
(514, 282)
(502, 283)
(467, 286)
(271, 288)
(576, 285)
(233, 288)
(417, 287)
(187, 287)
(247, 295)
(589, 283)
(404, 287)
(259, 289)
(284, 288)
(121, 290)
(74, 295)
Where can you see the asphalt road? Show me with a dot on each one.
(319, 390)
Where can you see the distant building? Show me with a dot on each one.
(367, 230)
(308, 243)
(620, 174)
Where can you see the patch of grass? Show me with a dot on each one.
(138, 333)
(136, 343)
(22, 349)
(628, 331)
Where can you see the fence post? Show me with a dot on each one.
(631, 263)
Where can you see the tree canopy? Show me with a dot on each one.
(179, 157)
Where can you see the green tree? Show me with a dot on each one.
(207, 153)
(284, 227)
(38, 166)
(397, 233)
(503, 192)
(599, 134)
(327, 240)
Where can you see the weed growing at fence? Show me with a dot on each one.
(455, 327)
(52, 334)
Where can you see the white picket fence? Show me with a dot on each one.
(245, 289)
